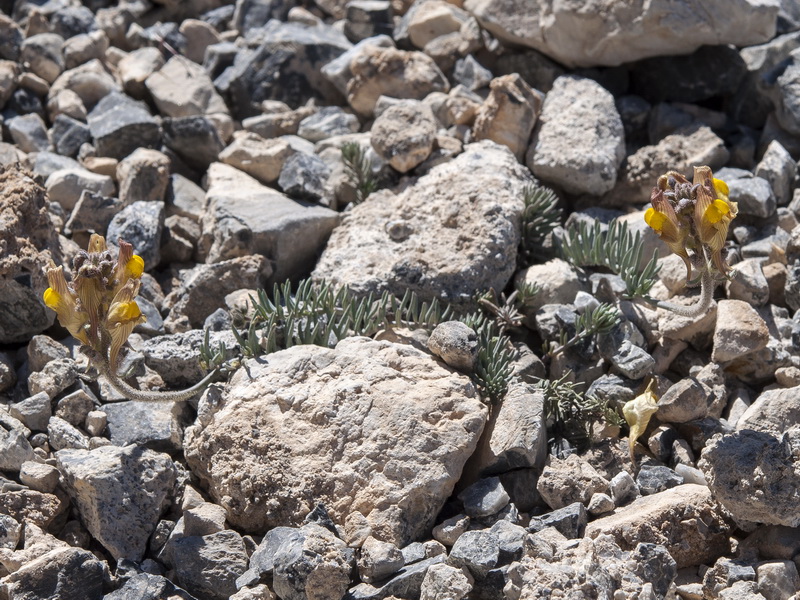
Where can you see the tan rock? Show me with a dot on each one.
(91, 81)
(182, 88)
(404, 134)
(136, 67)
(199, 36)
(573, 479)
(434, 19)
(559, 282)
(740, 330)
(390, 72)
(259, 157)
(373, 427)
(509, 113)
(685, 519)
(143, 175)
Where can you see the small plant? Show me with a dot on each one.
(540, 217)
(597, 321)
(693, 220)
(99, 309)
(359, 170)
(494, 370)
(616, 249)
(570, 414)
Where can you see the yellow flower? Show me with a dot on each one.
(63, 301)
(123, 315)
(637, 413)
(663, 219)
(713, 214)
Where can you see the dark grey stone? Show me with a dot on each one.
(11, 38)
(552, 319)
(155, 425)
(263, 559)
(491, 586)
(140, 224)
(219, 57)
(484, 497)
(29, 133)
(69, 135)
(47, 163)
(406, 583)
(144, 586)
(570, 520)
(327, 122)
(510, 538)
(283, 63)
(655, 564)
(613, 388)
(93, 212)
(72, 20)
(194, 139)
(666, 119)
(471, 74)
(478, 551)
(635, 113)
(23, 102)
(219, 18)
(414, 552)
(120, 125)
(754, 196)
(252, 14)
(655, 478)
(698, 432)
(304, 176)
(64, 575)
(684, 78)
(209, 565)
(319, 515)
(367, 18)
(219, 320)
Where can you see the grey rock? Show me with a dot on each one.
(62, 435)
(754, 197)
(158, 426)
(92, 212)
(654, 564)
(34, 411)
(378, 560)
(12, 38)
(777, 578)
(315, 562)
(14, 450)
(444, 581)
(69, 135)
(194, 139)
(779, 169)
(773, 411)
(570, 480)
(367, 18)
(74, 407)
(338, 71)
(510, 538)
(147, 586)
(8, 376)
(304, 176)
(182, 88)
(208, 566)
(686, 400)
(600, 504)
(484, 497)
(570, 520)
(403, 134)
(102, 481)
(578, 142)
(763, 464)
(143, 176)
(42, 52)
(262, 561)
(623, 488)
(449, 530)
(652, 479)
(749, 283)
(725, 573)
(120, 125)
(70, 21)
(257, 156)
(263, 71)
(244, 217)
(456, 344)
(631, 360)
(184, 198)
(478, 551)
(38, 476)
(174, 357)
(58, 575)
(140, 224)
(203, 289)
(10, 531)
(406, 583)
(412, 553)
(66, 186)
(328, 122)
(471, 74)
(363, 254)
(253, 14)
(29, 133)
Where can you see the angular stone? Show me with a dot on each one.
(195, 139)
(66, 186)
(61, 573)
(38, 476)
(508, 114)
(618, 35)
(120, 125)
(30, 506)
(378, 560)
(42, 55)
(256, 156)
(444, 581)
(385, 245)
(182, 88)
(143, 176)
(158, 426)
(175, 357)
(405, 584)
(559, 283)
(329, 121)
(304, 176)
(478, 551)
(773, 412)
(29, 133)
(14, 450)
(349, 363)
(34, 411)
(103, 481)
(652, 479)
(209, 565)
(740, 330)
(485, 497)
(573, 479)
(779, 168)
(140, 224)
(378, 71)
(570, 520)
(684, 519)
(93, 212)
(244, 217)
(685, 401)
(754, 475)
(146, 586)
(61, 435)
(754, 196)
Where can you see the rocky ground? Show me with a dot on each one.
(209, 134)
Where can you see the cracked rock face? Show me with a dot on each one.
(371, 427)
(444, 236)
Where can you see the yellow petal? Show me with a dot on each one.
(637, 413)
(655, 219)
(721, 187)
(716, 210)
(52, 298)
(122, 312)
(135, 266)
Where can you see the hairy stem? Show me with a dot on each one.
(148, 396)
(703, 302)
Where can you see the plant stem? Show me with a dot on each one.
(149, 396)
(703, 302)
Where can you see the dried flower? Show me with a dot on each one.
(637, 413)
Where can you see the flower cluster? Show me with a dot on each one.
(98, 306)
(693, 218)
